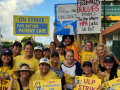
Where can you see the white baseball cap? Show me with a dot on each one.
(38, 47)
(44, 60)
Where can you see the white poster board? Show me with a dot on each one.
(88, 16)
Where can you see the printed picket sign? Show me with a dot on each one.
(52, 84)
(65, 17)
(88, 16)
(112, 84)
(85, 83)
(31, 25)
(4, 84)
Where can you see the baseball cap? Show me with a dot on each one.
(17, 43)
(6, 51)
(45, 49)
(61, 44)
(109, 58)
(44, 60)
(87, 63)
(54, 54)
(38, 47)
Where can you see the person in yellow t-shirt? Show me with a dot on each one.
(86, 54)
(111, 71)
(17, 48)
(38, 52)
(52, 46)
(44, 73)
(46, 53)
(69, 42)
(22, 83)
(6, 67)
(54, 61)
(27, 57)
(87, 70)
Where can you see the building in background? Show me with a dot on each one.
(6, 40)
(112, 10)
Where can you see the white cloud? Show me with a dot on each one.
(8, 8)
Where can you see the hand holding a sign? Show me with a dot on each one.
(103, 75)
(3, 78)
(100, 87)
(54, 23)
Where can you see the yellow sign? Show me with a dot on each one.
(4, 84)
(112, 84)
(31, 25)
(85, 83)
(53, 84)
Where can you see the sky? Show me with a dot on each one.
(8, 8)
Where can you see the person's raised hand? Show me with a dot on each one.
(54, 23)
(12, 79)
(100, 87)
(101, 30)
(103, 74)
(76, 30)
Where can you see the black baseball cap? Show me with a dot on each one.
(54, 54)
(6, 51)
(45, 49)
(87, 63)
(109, 58)
(17, 43)
(61, 44)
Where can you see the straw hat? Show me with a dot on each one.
(25, 68)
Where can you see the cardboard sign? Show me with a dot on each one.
(85, 83)
(112, 84)
(53, 84)
(4, 84)
(65, 17)
(31, 25)
(88, 16)
(59, 73)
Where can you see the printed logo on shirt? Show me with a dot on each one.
(78, 80)
(68, 78)
(87, 57)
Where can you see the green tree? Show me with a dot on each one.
(26, 39)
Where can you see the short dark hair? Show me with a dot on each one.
(29, 43)
(70, 36)
(53, 42)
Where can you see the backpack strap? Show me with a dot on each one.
(20, 84)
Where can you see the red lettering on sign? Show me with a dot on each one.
(87, 81)
(83, 23)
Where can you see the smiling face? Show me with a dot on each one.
(46, 53)
(52, 47)
(38, 54)
(17, 49)
(61, 50)
(100, 51)
(108, 65)
(44, 67)
(88, 46)
(6, 58)
(67, 41)
(69, 57)
(87, 69)
(55, 59)
(24, 73)
(28, 50)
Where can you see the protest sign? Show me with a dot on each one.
(4, 84)
(112, 84)
(53, 84)
(30, 25)
(58, 72)
(65, 17)
(85, 83)
(88, 16)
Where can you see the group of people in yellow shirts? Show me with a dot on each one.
(37, 63)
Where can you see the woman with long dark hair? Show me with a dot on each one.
(111, 71)
(6, 65)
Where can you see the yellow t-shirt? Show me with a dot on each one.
(86, 56)
(58, 65)
(6, 71)
(93, 76)
(33, 63)
(76, 45)
(37, 76)
(107, 77)
(62, 58)
(16, 86)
